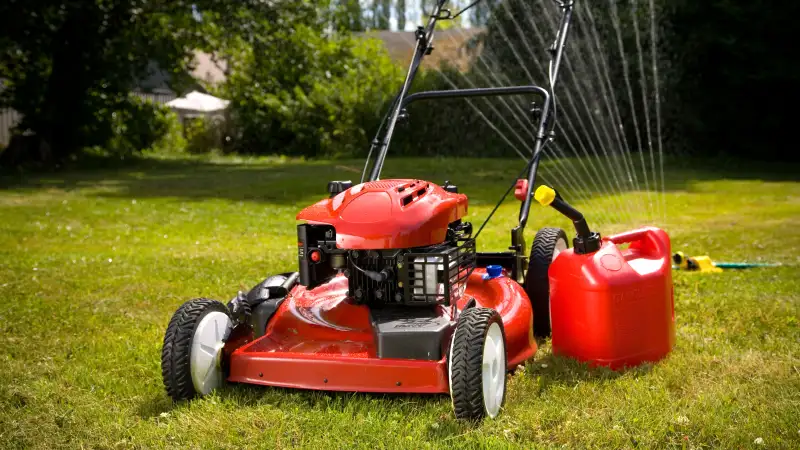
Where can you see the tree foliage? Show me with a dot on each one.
(348, 16)
(720, 66)
(734, 75)
(68, 64)
(400, 8)
(382, 13)
(300, 84)
(301, 90)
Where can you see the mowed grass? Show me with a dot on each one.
(94, 263)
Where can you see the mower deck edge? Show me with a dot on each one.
(340, 373)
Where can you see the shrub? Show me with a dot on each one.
(301, 92)
(172, 140)
(138, 125)
(205, 134)
(458, 127)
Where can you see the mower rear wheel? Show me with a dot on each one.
(191, 359)
(547, 245)
(477, 364)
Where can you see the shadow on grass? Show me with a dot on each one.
(251, 396)
(446, 426)
(155, 406)
(551, 371)
(296, 182)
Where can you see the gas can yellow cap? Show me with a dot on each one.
(545, 195)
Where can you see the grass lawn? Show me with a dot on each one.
(94, 263)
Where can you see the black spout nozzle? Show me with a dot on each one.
(586, 240)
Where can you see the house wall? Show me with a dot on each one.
(8, 119)
(156, 97)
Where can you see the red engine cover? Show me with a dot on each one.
(389, 214)
(615, 307)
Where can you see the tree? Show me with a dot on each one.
(302, 90)
(480, 13)
(400, 8)
(426, 8)
(381, 14)
(732, 76)
(68, 65)
(348, 15)
(721, 66)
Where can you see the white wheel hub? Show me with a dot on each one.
(206, 354)
(493, 370)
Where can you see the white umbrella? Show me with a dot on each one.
(197, 102)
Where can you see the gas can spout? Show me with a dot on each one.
(586, 240)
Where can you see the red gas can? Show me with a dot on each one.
(614, 307)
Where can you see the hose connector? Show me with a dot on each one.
(586, 240)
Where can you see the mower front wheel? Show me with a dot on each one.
(477, 364)
(547, 245)
(191, 359)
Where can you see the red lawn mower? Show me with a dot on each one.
(391, 295)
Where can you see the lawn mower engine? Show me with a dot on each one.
(427, 275)
(411, 292)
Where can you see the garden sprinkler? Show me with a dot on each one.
(704, 264)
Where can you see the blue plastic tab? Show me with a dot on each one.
(493, 271)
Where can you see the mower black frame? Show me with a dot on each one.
(544, 130)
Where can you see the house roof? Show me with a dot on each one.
(208, 68)
(207, 71)
(449, 45)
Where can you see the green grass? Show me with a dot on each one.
(94, 263)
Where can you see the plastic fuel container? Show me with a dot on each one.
(614, 307)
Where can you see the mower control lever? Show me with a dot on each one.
(586, 241)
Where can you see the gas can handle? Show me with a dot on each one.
(629, 236)
(654, 239)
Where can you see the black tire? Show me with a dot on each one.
(466, 361)
(175, 355)
(537, 283)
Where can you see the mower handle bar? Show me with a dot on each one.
(424, 37)
(533, 162)
(477, 92)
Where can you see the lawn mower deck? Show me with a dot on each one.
(318, 339)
